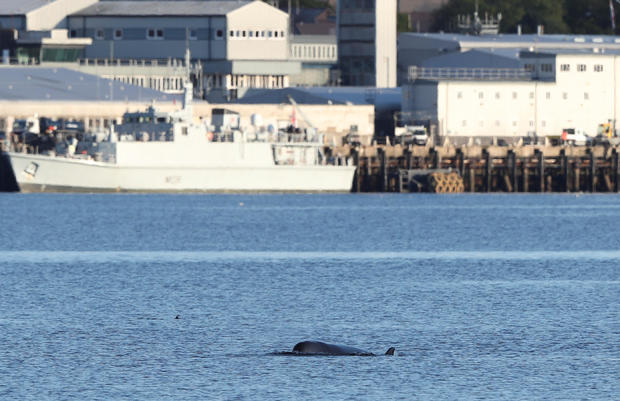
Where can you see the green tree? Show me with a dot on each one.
(589, 17)
(557, 16)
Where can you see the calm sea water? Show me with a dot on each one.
(485, 297)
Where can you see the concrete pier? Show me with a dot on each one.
(526, 168)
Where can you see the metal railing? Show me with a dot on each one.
(457, 73)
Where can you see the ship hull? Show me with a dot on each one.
(40, 173)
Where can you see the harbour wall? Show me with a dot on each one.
(524, 168)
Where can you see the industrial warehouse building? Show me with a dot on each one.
(510, 85)
(234, 45)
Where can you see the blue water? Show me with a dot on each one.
(484, 297)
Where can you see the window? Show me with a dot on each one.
(99, 34)
(514, 95)
(262, 34)
(154, 34)
(546, 68)
(598, 68)
(281, 34)
(497, 123)
(497, 95)
(531, 95)
(564, 95)
(73, 33)
(529, 67)
(480, 95)
(565, 67)
(548, 95)
(459, 95)
(275, 33)
(581, 67)
(251, 34)
(464, 123)
(586, 96)
(193, 34)
(269, 34)
(118, 34)
(232, 33)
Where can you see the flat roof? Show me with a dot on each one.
(161, 8)
(33, 83)
(522, 40)
(21, 7)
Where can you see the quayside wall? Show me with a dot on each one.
(525, 168)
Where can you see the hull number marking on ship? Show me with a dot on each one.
(174, 179)
(31, 169)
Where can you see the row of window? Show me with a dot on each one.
(256, 34)
(498, 123)
(515, 95)
(563, 67)
(192, 34)
(314, 51)
(150, 34)
(581, 67)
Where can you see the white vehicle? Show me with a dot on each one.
(156, 151)
(572, 136)
(411, 135)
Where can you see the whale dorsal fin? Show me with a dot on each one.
(391, 351)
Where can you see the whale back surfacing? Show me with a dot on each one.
(321, 348)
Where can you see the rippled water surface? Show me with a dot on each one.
(484, 297)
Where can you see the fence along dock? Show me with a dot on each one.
(525, 168)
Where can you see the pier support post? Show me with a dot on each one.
(512, 165)
(541, 170)
(577, 176)
(592, 171)
(368, 178)
(460, 162)
(382, 171)
(526, 178)
(471, 178)
(356, 162)
(615, 167)
(487, 170)
(564, 170)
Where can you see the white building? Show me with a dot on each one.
(537, 88)
(241, 44)
(367, 42)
